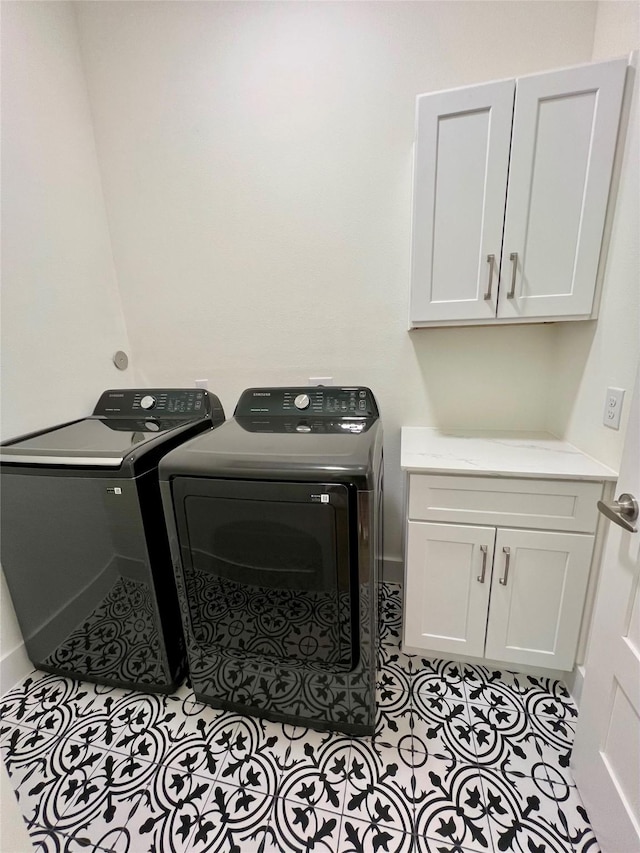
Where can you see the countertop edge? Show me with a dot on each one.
(509, 475)
(440, 452)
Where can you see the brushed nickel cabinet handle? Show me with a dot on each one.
(491, 260)
(621, 512)
(513, 257)
(483, 549)
(507, 560)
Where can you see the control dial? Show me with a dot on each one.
(148, 402)
(302, 401)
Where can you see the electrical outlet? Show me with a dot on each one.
(202, 383)
(613, 407)
(321, 380)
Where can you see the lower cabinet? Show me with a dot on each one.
(508, 594)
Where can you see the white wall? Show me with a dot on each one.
(590, 357)
(61, 315)
(256, 162)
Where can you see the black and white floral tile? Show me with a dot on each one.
(464, 759)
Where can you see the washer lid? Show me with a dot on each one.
(95, 442)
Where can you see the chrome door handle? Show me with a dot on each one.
(513, 257)
(622, 512)
(491, 260)
(483, 549)
(505, 576)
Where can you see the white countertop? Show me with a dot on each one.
(503, 454)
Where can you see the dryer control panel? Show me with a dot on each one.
(317, 401)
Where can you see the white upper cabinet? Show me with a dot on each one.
(461, 167)
(511, 183)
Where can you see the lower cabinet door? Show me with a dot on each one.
(447, 581)
(537, 595)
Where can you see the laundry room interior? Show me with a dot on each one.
(224, 192)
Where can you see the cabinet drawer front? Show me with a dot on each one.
(546, 504)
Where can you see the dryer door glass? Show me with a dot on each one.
(266, 568)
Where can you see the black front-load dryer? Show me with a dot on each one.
(84, 546)
(274, 522)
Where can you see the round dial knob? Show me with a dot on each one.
(148, 402)
(302, 401)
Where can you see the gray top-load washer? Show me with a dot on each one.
(84, 547)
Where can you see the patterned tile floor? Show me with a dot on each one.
(464, 759)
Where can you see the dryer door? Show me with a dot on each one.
(267, 568)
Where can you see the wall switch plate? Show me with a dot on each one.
(321, 380)
(202, 383)
(613, 407)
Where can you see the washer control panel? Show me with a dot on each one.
(154, 402)
(318, 401)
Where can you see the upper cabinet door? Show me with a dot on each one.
(564, 137)
(460, 180)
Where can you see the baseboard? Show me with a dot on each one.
(575, 682)
(392, 571)
(14, 666)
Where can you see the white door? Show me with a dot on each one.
(447, 581)
(565, 128)
(460, 183)
(606, 753)
(537, 595)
